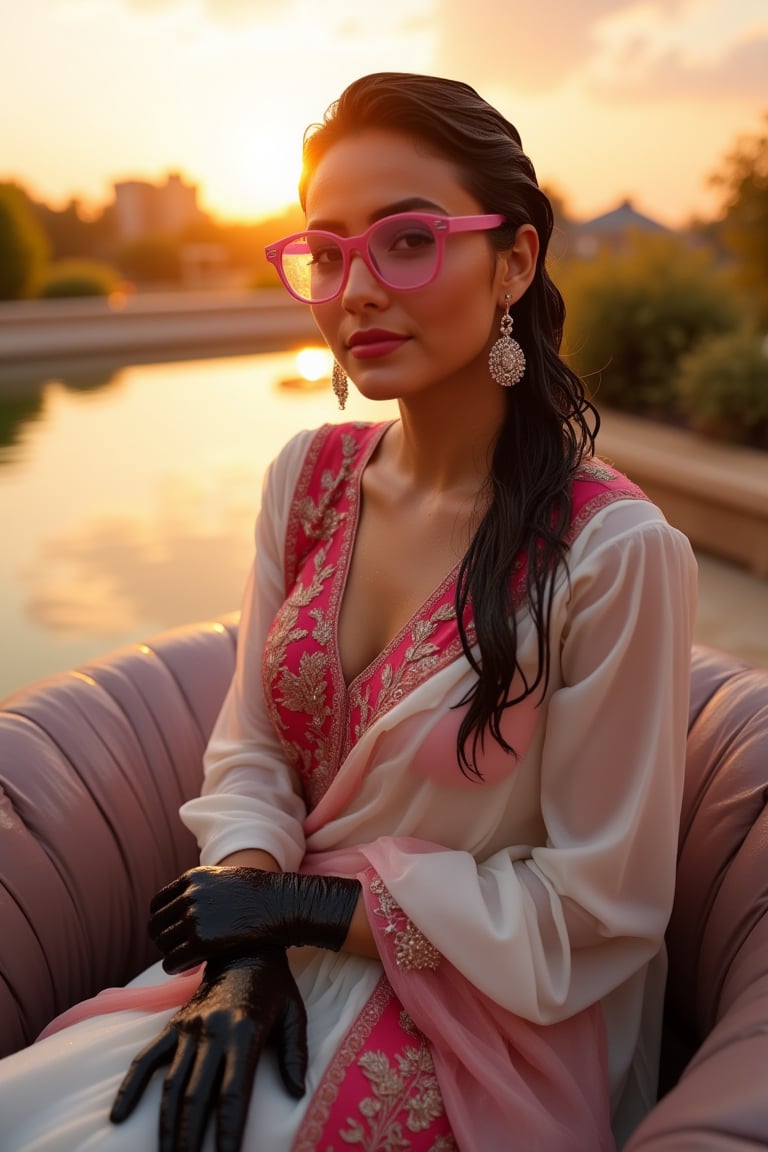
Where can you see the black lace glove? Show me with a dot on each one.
(213, 1044)
(216, 911)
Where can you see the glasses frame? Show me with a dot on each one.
(440, 226)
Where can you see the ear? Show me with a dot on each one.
(516, 266)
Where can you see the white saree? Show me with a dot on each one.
(520, 918)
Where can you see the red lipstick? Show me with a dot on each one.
(370, 343)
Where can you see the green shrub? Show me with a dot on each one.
(79, 278)
(723, 388)
(633, 314)
(23, 245)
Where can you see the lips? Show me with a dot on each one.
(368, 343)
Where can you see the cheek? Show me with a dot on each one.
(328, 321)
(462, 320)
(465, 302)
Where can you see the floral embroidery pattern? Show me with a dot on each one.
(588, 499)
(593, 470)
(412, 949)
(303, 691)
(419, 660)
(309, 1137)
(320, 519)
(409, 1088)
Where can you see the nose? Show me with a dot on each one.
(363, 285)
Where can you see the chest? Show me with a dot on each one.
(398, 560)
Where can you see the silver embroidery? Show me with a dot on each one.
(304, 691)
(412, 949)
(320, 520)
(421, 657)
(594, 471)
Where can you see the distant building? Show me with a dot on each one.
(143, 209)
(612, 228)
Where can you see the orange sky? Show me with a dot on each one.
(613, 98)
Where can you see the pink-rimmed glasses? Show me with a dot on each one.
(404, 252)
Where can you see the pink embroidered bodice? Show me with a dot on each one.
(317, 716)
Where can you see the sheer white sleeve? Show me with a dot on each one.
(250, 798)
(546, 930)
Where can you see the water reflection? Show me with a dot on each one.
(158, 570)
(15, 412)
(128, 496)
(23, 397)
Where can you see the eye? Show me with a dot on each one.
(403, 239)
(410, 237)
(323, 251)
(325, 255)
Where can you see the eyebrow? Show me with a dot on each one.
(410, 204)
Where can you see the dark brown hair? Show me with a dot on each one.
(550, 424)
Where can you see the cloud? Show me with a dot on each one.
(222, 11)
(530, 47)
(153, 5)
(740, 73)
(336, 15)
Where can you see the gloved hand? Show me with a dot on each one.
(213, 1044)
(216, 911)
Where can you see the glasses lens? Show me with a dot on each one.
(313, 265)
(404, 251)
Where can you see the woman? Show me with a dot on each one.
(439, 818)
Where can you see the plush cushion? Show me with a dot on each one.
(94, 764)
(717, 989)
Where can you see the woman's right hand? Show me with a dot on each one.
(213, 1044)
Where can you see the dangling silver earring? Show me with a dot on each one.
(339, 384)
(507, 359)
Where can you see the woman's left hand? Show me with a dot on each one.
(210, 912)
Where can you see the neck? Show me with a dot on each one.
(446, 440)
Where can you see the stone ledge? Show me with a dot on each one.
(47, 330)
(716, 493)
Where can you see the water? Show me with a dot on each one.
(128, 498)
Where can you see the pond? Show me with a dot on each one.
(128, 498)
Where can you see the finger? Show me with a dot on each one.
(182, 959)
(290, 1037)
(200, 1098)
(173, 1093)
(171, 891)
(143, 1066)
(236, 1087)
(179, 949)
(165, 916)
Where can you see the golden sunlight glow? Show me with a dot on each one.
(314, 364)
(228, 88)
(253, 171)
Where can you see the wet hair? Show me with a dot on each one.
(550, 425)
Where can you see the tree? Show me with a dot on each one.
(743, 227)
(72, 236)
(23, 246)
(723, 387)
(632, 315)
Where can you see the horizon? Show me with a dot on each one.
(222, 90)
